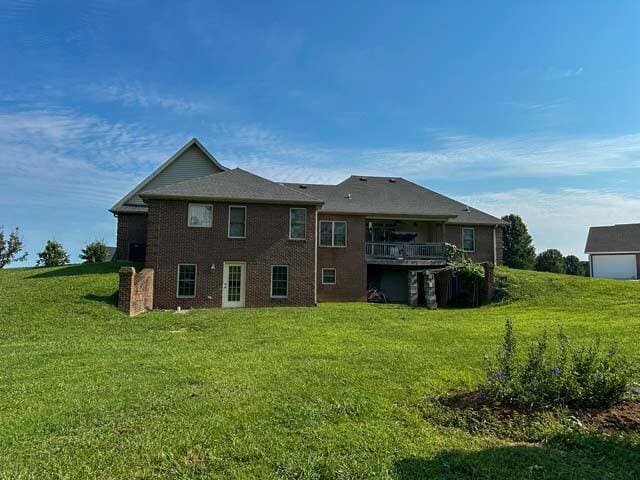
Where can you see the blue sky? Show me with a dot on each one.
(530, 108)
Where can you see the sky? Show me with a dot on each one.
(512, 107)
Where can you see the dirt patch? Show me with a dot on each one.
(624, 417)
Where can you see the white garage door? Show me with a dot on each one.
(614, 266)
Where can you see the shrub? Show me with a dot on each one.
(574, 266)
(10, 248)
(518, 250)
(469, 274)
(550, 261)
(53, 255)
(566, 375)
(94, 252)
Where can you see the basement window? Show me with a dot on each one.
(279, 281)
(186, 281)
(328, 276)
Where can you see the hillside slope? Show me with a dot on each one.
(327, 392)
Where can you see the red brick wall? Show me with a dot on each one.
(171, 242)
(349, 262)
(135, 293)
(132, 228)
(484, 241)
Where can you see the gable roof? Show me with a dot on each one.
(235, 185)
(393, 196)
(132, 203)
(614, 238)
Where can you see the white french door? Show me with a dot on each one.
(234, 284)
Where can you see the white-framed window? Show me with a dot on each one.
(333, 233)
(279, 281)
(237, 221)
(328, 276)
(297, 224)
(187, 273)
(200, 215)
(469, 239)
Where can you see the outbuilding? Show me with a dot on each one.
(614, 251)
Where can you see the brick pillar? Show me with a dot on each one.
(488, 284)
(125, 290)
(412, 278)
(430, 290)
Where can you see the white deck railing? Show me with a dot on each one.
(406, 250)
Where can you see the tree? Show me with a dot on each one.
(10, 249)
(518, 251)
(94, 252)
(53, 255)
(574, 266)
(550, 261)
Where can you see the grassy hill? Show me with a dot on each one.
(327, 392)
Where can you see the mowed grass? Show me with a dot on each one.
(320, 393)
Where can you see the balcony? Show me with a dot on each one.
(387, 253)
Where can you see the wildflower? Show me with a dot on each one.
(500, 376)
(483, 396)
(486, 357)
(555, 371)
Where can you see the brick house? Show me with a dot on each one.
(226, 237)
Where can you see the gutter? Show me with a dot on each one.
(197, 198)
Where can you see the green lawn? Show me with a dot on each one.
(327, 392)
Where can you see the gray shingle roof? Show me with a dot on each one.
(393, 197)
(232, 185)
(614, 238)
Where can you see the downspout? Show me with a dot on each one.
(495, 248)
(315, 261)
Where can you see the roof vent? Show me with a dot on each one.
(348, 196)
(363, 179)
(303, 186)
(466, 208)
(392, 180)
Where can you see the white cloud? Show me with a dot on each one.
(458, 156)
(559, 73)
(561, 219)
(64, 158)
(135, 94)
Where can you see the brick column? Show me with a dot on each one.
(412, 278)
(125, 290)
(487, 288)
(430, 290)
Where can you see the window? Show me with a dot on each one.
(298, 223)
(237, 222)
(469, 239)
(328, 276)
(279, 281)
(200, 215)
(333, 234)
(186, 281)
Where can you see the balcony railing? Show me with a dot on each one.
(406, 251)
